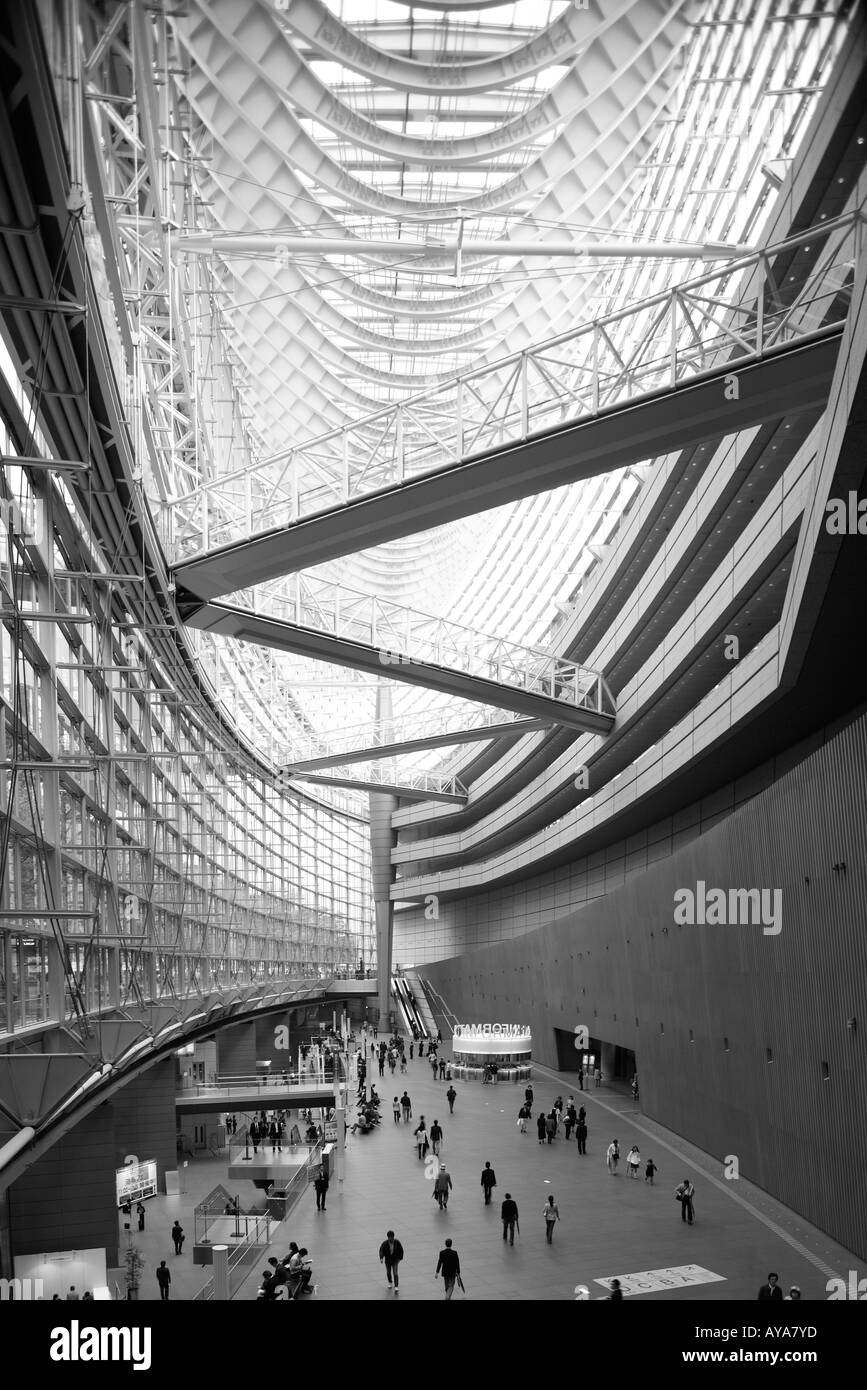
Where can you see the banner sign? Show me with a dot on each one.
(136, 1181)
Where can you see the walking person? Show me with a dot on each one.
(140, 1212)
(541, 1126)
(442, 1068)
(598, 1078)
(164, 1278)
(320, 1184)
(381, 1065)
(433, 1066)
(528, 1096)
(436, 1137)
(420, 1133)
(523, 1115)
(391, 1254)
(395, 1108)
(411, 1046)
(451, 1097)
(178, 1237)
(449, 1265)
(406, 1106)
(509, 1218)
(489, 1182)
(442, 1188)
(649, 1171)
(581, 1135)
(571, 1119)
(685, 1194)
(551, 1213)
(612, 1157)
(551, 1125)
(580, 1078)
(633, 1161)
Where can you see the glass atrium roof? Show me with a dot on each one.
(423, 126)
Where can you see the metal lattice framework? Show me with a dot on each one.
(188, 126)
(403, 636)
(429, 728)
(183, 389)
(719, 321)
(414, 784)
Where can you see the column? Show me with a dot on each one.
(382, 840)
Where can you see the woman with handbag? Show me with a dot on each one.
(420, 1135)
(551, 1213)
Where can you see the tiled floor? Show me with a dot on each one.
(609, 1226)
(155, 1243)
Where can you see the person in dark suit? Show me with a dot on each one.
(489, 1182)
(581, 1136)
(771, 1289)
(391, 1254)
(449, 1265)
(509, 1218)
(164, 1278)
(320, 1184)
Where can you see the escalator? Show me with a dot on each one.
(434, 1008)
(407, 1007)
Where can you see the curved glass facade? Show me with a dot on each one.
(145, 854)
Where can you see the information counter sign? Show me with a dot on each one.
(136, 1181)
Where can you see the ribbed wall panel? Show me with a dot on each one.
(66, 1200)
(145, 1121)
(236, 1050)
(623, 957)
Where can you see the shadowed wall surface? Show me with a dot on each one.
(743, 1040)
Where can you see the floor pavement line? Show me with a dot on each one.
(721, 1186)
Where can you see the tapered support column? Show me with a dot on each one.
(382, 841)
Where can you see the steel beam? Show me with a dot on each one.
(395, 788)
(480, 734)
(245, 626)
(784, 382)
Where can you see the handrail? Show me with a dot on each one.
(297, 1184)
(603, 373)
(312, 1082)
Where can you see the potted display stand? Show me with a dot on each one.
(134, 1261)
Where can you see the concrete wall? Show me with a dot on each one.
(66, 1200)
(236, 1050)
(240, 1048)
(144, 1119)
(479, 919)
(732, 1028)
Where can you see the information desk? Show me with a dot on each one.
(500, 1051)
